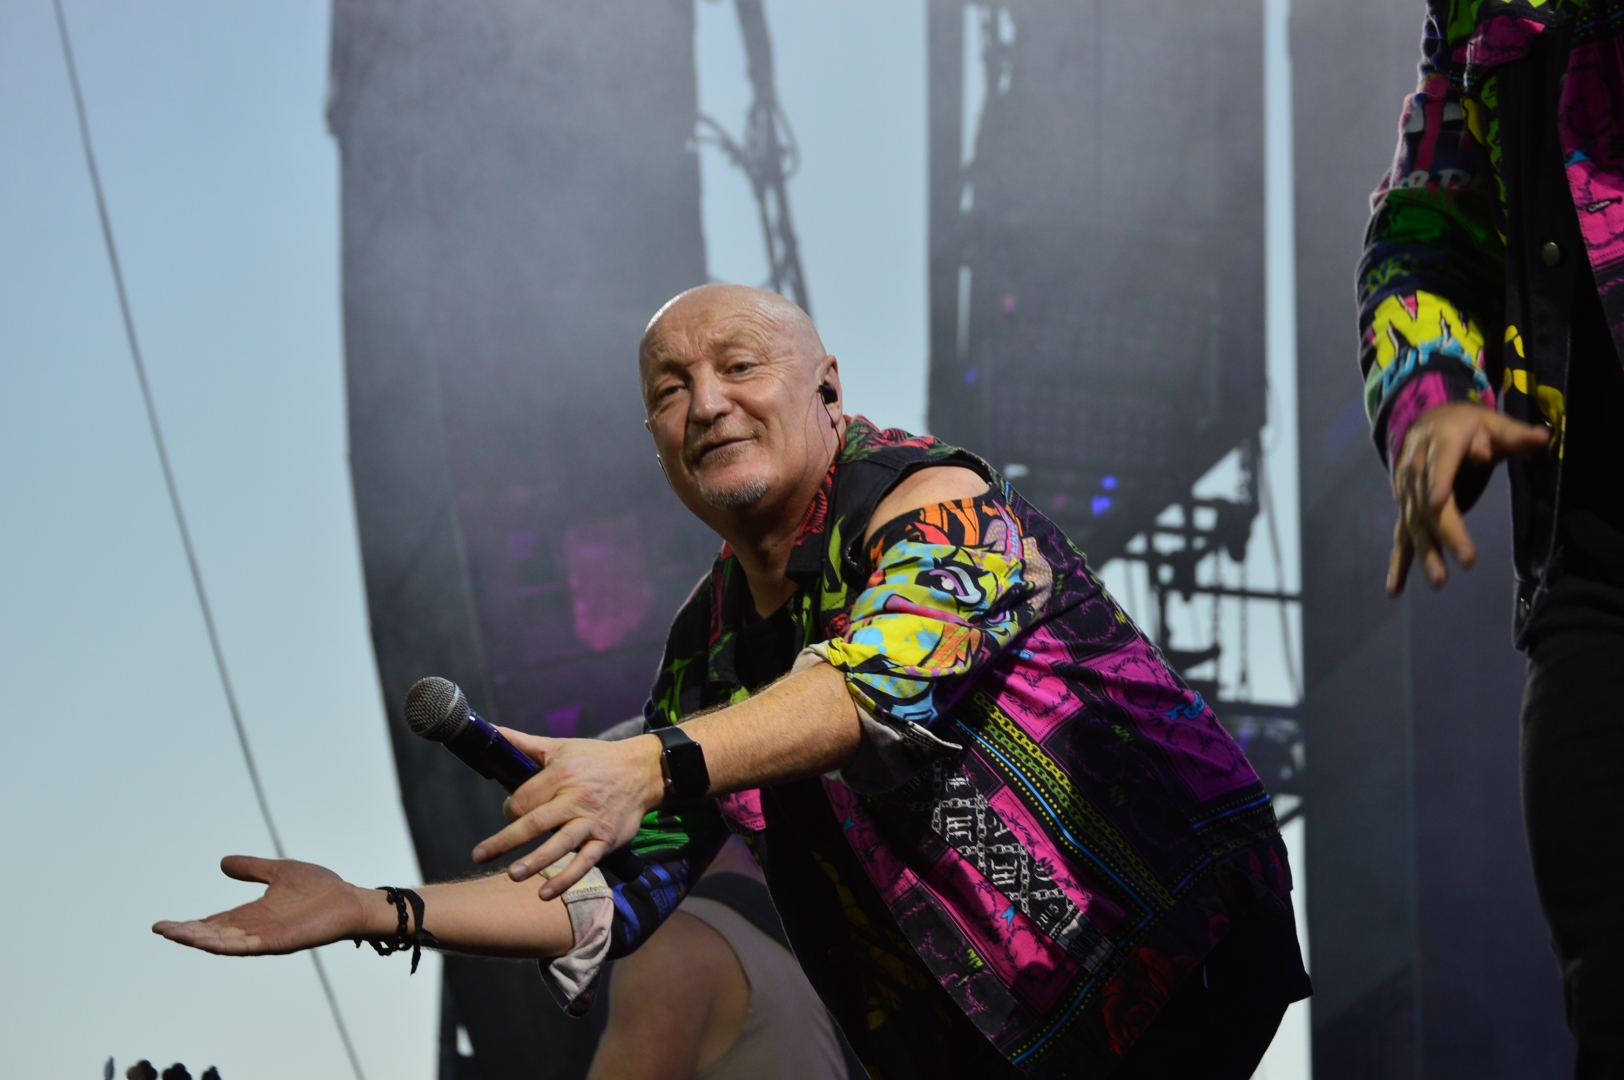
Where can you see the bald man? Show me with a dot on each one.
(1003, 836)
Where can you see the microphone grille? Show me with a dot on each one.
(436, 709)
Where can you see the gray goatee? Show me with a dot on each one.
(738, 496)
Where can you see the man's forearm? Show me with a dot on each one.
(593, 796)
(801, 726)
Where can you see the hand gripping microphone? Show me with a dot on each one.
(436, 710)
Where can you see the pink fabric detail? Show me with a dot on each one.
(1428, 146)
(1032, 964)
(1025, 959)
(1429, 96)
(1028, 689)
(1415, 397)
(1197, 747)
(743, 809)
(1099, 911)
(1501, 40)
(1592, 101)
(896, 605)
(889, 874)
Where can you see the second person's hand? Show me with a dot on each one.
(1440, 441)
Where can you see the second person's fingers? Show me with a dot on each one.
(1510, 436)
(1398, 566)
(1451, 530)
(1445, 449)
(1419, 524)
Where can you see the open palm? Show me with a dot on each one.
(304, 906)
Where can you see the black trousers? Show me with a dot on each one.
(1573, 806)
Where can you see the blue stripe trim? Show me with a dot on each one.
(1191, 875)
(1230, 813)
(1591, 24)
(1054, 816)
(1054, 1027)
(634, 925)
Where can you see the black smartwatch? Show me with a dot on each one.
(682, 762)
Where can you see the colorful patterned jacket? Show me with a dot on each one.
(1509, 171)
(1058, 826)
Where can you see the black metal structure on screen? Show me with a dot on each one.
(520, 193)
(1096, 284)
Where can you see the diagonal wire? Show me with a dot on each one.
(180, 516)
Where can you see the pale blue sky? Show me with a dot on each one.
(121, 784)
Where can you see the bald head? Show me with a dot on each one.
(734, 382)
(704, 316)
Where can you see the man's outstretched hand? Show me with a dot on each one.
(1429, 521)
(304, 906)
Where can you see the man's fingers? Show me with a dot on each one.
(534, 747)
(568, 838)
(522, 831)
(584, 861)
(1452, 532)
(536, 791)
(249, 868)
(539, 789)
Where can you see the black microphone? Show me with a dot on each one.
(437, 710)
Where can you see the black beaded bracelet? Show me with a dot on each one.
(401, 941)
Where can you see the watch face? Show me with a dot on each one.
(685, 768)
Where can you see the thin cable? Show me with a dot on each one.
(180, 516)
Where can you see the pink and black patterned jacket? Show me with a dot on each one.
(1047, 829)
(1508, 186)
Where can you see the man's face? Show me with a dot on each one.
(730, 384)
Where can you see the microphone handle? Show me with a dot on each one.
(482, 748)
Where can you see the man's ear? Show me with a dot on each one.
(829, 372)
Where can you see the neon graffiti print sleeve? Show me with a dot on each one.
(952, 586)
(1431, 282)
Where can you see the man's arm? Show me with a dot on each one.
(595, 794)
(305, 906)
(675, 1005)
